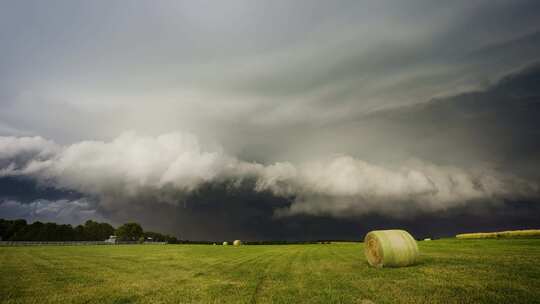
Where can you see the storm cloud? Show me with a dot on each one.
(171, 167)
(201, 118)
(61, 211)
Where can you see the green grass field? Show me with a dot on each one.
(451, 271)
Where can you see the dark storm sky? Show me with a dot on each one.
(272, 119)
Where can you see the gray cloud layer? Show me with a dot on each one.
(172, 166)
(339, 108)
(268, 67)
(60, 211)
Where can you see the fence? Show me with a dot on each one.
(75, 243)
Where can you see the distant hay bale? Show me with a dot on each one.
(390, 248)
(427, 239)
(529, 233)
(225, 243)
(237, 243)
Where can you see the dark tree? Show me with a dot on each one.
(129, 232)
(19, 230)
(105, 230)
(158, 237)
(94, 231)
(9, 228)
(79, 233)
(91, 230)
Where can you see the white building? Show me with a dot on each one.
(111, 239)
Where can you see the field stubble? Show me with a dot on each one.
(450, 271)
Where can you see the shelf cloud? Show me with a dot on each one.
(275, 118)
(173, 166)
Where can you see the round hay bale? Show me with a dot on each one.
(237, 243)
(390, 248)
(225, 243)
(427, 239)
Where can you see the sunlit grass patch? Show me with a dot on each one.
(449, 271)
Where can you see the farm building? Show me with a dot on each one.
(112, 239)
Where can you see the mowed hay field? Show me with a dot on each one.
(450, 271)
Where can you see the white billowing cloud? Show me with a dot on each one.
(132, 165)
(344, 185)
(23, 152)
(36, 147)
(59, 211)
(131, 162)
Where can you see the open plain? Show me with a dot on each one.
(450, 271)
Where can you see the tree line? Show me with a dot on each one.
(20, 230)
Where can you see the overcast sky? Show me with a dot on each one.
(271, 119)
